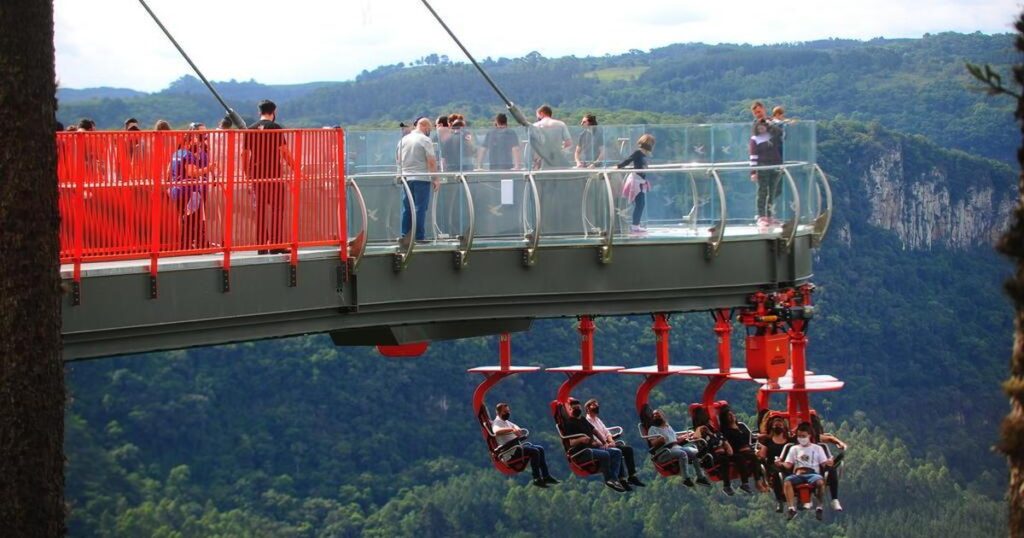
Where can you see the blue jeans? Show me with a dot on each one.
(538, 463)
(806, 478)
(687, 455)
(609, 461)
(421, 199)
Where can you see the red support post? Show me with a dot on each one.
(723, 329)
(586, 329)
(661, 329)
(505, 350)
(156, 201)
(79, 202)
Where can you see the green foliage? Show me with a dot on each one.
(295, 437)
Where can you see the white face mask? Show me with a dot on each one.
(804, 441)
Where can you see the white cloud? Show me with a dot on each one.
(115, 43)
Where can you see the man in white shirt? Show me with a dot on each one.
(806, 460)
(505, 430)
(553, 140)
(604, 436)
(415, 158)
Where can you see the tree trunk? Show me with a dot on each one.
(31, 370)
(1012, 244)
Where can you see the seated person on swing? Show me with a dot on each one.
(671, 445)
(583, 444)
(805, 460)
(505, 431)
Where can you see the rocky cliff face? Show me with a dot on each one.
(959, 203)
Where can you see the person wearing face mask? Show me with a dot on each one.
(775, 438)
(582, 441)
(505, 430)
(806, 460)
(605, 438)
(676, 446)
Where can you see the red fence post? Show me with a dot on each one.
(79, 205)
(156, 208)
(296, 178)
(229, 210)
(342, 198)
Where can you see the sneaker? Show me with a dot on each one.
(808, 506)
(636, 482)
(745, 488)
(614, 485)
(550, 480)
(704, 481)
(540, 483)
(762, 222)
(791, 513)
(819, 514)
(625, 485)
(687, 482)
(836, 506)
(728, 490)
(779, 507)
(637, 229)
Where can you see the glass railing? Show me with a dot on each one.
(701, 188)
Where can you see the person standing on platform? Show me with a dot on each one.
(262, 154)
(415, 160)
(503, 146)
(636, 185)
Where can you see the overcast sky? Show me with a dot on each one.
(115, 43)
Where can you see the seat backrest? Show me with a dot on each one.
(560, 415)
(487, 427)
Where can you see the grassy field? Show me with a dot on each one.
(617, 73)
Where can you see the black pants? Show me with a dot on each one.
(538, 464)
(722, 461)
(627, 457)
(270, 204)
(639, 203)
(833, 483)
(747, 464)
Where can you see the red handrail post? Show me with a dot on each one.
(229, 210)
(342, 199)
(156, 212)
(296, 178)
(79, 205)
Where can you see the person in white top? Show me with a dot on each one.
(415, 158)
(506, 431)
(554, 139)
(604, 436)
(806, 460)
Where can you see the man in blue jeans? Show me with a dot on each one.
(586, 446)
(415, 158)
(505, 430)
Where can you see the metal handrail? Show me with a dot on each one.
(530, 253)
(606, 249)
(789, 229)
(822, 221)
(731, 166)
(402, 258)
(718, 232)
(466, 241)
(691, 217)
(357, 246)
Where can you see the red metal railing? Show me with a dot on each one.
(157, 194)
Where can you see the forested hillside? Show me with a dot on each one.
(916, 86)
(296, 437)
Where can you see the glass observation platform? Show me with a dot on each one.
(172, 239)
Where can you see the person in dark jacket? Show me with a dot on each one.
(765, 151)
(636, 185)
